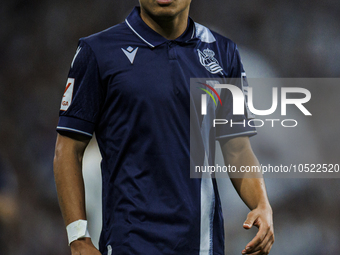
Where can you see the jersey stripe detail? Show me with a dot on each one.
(138, 34)
(207, 189)
(207, 215)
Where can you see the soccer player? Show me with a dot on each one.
(130, 85)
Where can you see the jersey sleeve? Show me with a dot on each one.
(237, 125)
(84, 94)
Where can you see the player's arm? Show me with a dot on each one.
(238, 152)
(68, 176)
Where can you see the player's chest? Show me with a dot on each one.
(158, 74)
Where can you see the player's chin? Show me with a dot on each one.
(163, 13)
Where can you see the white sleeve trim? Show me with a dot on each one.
(74, 130)
(237, 134)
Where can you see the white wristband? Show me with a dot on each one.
(77, 230)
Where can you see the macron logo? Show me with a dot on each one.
(130, 53)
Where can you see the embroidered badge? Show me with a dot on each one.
(209, 62)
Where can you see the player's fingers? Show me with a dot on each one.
(258, 247)
(257, 240)
(268, 247)
(263, 247)
(265, 250)
(251, 217)
(256, 253)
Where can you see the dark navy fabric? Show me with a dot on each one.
(140, 113)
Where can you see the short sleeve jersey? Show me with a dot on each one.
(130, 86)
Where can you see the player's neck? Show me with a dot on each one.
(168, 27)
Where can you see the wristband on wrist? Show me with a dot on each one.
(77, 230)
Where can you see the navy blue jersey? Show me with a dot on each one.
(131, 86)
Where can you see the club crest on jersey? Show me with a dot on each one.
(209, 62)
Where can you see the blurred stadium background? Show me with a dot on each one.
(276, 38)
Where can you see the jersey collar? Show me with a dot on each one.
(149, 36)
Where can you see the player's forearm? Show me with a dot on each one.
(252, 191)
(250, 186)
(69, 179)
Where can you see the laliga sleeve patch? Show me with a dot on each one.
(68, 93)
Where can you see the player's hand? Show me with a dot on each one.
(84, 246)
(261, 217)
